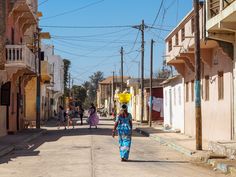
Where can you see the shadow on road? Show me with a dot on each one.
(158, 161)
(53, 134)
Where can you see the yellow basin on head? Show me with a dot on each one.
(124, 97)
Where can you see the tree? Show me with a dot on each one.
(67, 64)
(80, 93)
(163, 73)
(92, 87)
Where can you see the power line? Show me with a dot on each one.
(85, 27)
(158, 12)
(87, 56)
(43, 2)
(94, 40)
(72, 11)
(93, 35)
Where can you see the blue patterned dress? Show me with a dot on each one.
(124, 132)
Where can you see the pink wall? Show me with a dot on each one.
(216, 114)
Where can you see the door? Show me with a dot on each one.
(5, 99)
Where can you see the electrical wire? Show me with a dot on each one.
(86, 27)
(93, 35)
(158, 12)
(72, 11)
(43, 2)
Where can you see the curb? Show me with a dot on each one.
(13, 147)
(6, 150)
(223, 167)
(34, 136)
(168, 143)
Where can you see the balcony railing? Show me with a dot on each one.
(46, 68)
(20, 56)
(215, 6)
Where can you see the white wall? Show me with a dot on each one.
(174, 100)
(234, 90)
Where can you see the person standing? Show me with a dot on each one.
(81, 114)
(93, 117)
(70, 117)
(123, 125)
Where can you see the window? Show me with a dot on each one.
(207, 83)
(170, 45)
(187, 94)
(192, 25)
(177, 39)
(182, 34)
(220, 85)
(192, 90)
(179, 90)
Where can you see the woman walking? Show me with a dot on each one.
(93, 117)
(124, 127)
(61, 117)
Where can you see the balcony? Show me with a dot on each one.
(180, 44)
(46, 71)
(221, 20)
(20, 57)
(24, 12)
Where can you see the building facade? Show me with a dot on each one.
(17, 60)
(220, 26)
(173, 90)
(216, 78)
(106, 91)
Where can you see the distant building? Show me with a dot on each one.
(106, 91)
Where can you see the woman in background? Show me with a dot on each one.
(61, 117)
(93, 117)
(123, 125)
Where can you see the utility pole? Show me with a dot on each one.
(110, 98)
(122, 62)
(151, 74)
(197, 77)
(72, 83)
(113, 84)
(142, 27)
(69, 86)
(38, 94)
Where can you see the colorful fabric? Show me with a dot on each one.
(93, 119)
(124, 133)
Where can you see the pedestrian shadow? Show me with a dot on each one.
(157, 161)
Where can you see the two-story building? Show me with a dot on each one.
(216, 78)
(221, 26)
(18, 61)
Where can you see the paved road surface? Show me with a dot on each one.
(81, 152)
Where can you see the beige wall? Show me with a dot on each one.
(30, 97)
(216, 114)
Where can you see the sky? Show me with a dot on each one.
(90, 33)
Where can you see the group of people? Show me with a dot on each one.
(70, 116)
(123, 124)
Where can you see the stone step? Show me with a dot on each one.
(224, 148)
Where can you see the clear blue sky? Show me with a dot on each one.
(93, 49)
